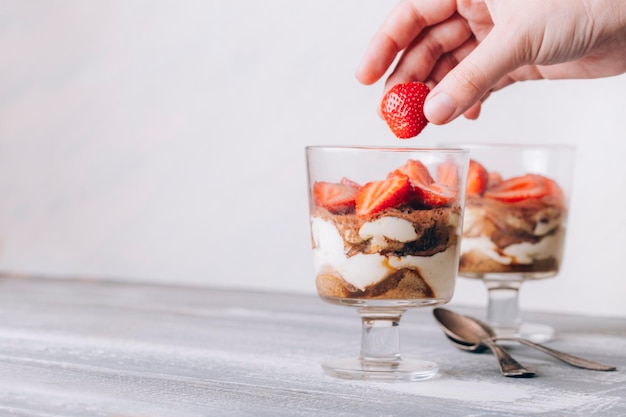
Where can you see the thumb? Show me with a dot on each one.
(471, 79)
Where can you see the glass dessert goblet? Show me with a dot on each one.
(385, 227)
(514, 229)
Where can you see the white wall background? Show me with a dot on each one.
(163, 141)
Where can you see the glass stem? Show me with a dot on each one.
(503, 305)
(380, 336)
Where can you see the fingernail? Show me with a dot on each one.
(439, 108)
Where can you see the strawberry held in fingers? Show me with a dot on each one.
(402, 108)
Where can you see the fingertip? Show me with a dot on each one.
(463, 88)
(439, 108)
(473, 112)
(364, 77)
(376, 60)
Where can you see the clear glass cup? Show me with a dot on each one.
(514, 230)
(385, 227)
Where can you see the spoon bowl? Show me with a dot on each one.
(476, 348)
(463, 328)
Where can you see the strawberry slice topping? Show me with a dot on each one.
(477, 178)
(336, 198)
(415, 170)
(494, 178)
(555, 193)
(448, 174)
(425, 192)
(349, 182)
(433, 195)
(376, 196)
(519, 188)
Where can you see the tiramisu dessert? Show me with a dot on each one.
(393, 238)
(512, 225)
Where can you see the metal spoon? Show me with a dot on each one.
(472, 334)
(508, 366)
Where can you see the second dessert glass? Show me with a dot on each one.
(385, 227)
(515, 221)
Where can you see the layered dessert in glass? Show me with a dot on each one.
(406, 248)
(514, 226)
(510, 230)
(385, 232)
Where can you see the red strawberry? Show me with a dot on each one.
(415, 170)
(519, 188)
(447, 174)
(477, 178)
(402, 108)
(348, 181)
(336, 198)
(555, 193)
(494, 178)
(434, 195)
(376, 196)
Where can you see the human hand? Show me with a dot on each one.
(466, 49)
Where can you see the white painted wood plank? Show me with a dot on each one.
(75, 348)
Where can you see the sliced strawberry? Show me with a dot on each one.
(415, 170)
(519, 188)
(448, 174)
(348, 181)
(376, 196)
(434, 195)
(477, 178)
(402, 107)
(336, 198)
(494, 178)
(555, 193)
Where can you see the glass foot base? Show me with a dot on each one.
(400, 370)
(537, 333)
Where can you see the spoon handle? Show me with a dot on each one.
(508, 365)
(565, 357)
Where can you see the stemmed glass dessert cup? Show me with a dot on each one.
(517, 203)
(385, 228)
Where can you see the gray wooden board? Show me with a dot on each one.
(93, 348)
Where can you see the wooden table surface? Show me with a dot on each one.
(89, 348)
